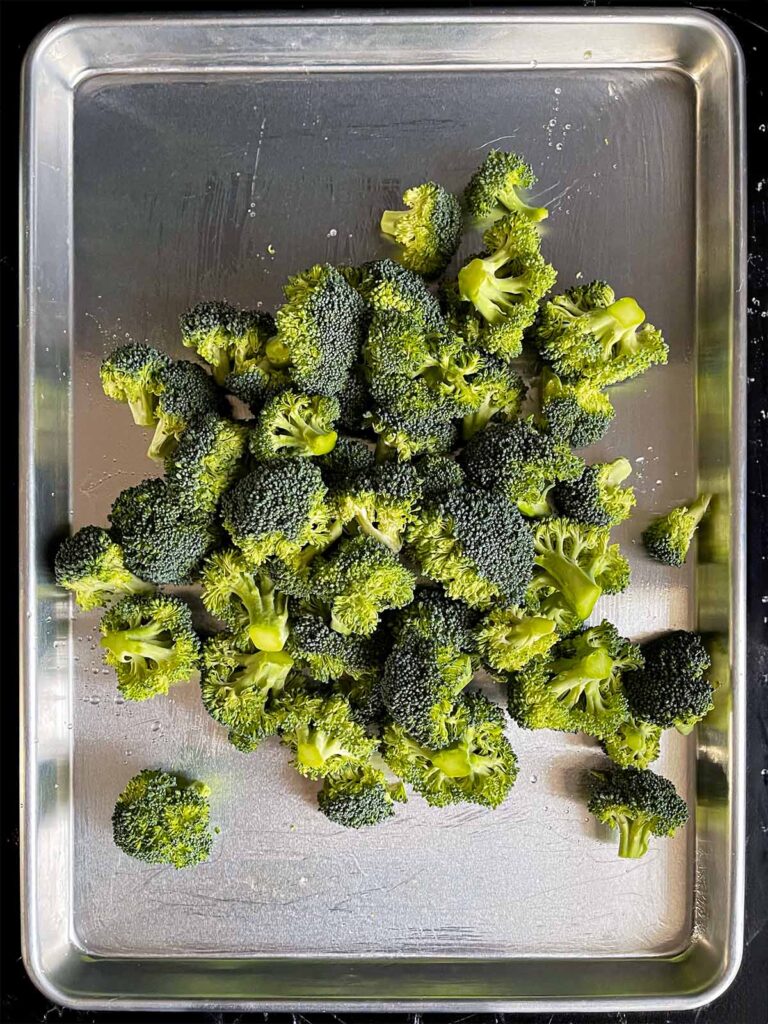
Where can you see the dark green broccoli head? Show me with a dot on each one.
(230, 340)
(246, 599)
(257, 385)
(672, 688)
(576, 412)
(359, 798)
(669, 538)
(429, 231)
(405, 437)
(597, 497)
(293, 425)
(91, 565)
(350, 457)
(323, 735)
(509, 638)
(385, 284)
(439, 474)
(380, 502)
(186, 392)
(640, 804)
(328, 655)
(432, 614)
(207, 459)
(495, 187)
(354, 402)
(634, 744)
(131, 374)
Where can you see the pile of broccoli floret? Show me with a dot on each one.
(390, 522)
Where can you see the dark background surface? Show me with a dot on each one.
(746, 1002)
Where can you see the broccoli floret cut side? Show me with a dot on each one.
(576, 412)
(150, 642)
(294, 425)
(349, 458)
(405, 437)
(91, 565)
(230, 340)
(597, 497)
(359, 798)
(494, 188)
(324, 738)
(502, 338)
(501, 391)
(206, 461)
(429, 231)
(381, 503)
(509, 638)
(671, 689)
(385, 284)
(132, 374)
(246, 599)
(328, 655)
(634, 744)
(186, 392)
(163, 818)
(669, 538)
(640, 804)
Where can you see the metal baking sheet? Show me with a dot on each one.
(169, 160)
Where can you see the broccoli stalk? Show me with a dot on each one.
(292, 424)
(246, 600)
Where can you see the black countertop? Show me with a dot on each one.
(746, 1002)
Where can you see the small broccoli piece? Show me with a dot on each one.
(359, 579)
(186, 392)
(508, 638)
(324, 738)
(494, 188)
(406, 436)
(246, 600)
(354, 402)
(597, 497)
(635, 744)
(328, 655)
(276, 509)
(429, 231)
(640, 804)
(381, 503)
(669, 538)
(349, 457)
(91, 565)
(163, 818)
(577, 412)
(672, 688)
(520, 462)
(257, 385)
(162, 541)
(207, 459)
(477, 545)
(359, 797)
(386, 284)
(501, 391)
(150, 642)
(319, 330)
(477, 764)
(576, 687)
(242, 690)
(432, 614)
(439, 474)
(230, 340)
(573, 565)
(132, 373)
(587, 332)
(292, 425)
(503, 338)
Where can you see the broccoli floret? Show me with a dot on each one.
(634, 744)
(359, 797)
(429, 231)
(132, 374)
(597, 497)
(406, 436)
(207, 459)
(276, 509)
(477, 545)
(242, 690)
(573, 565)
(672, 688)
(577, 412)
(150, 642)
(501, 391)
(186, 392)
(354, 401)
(576, 687)
(520, 462)
(162, 541)
(349, 457)
(380, 503)
(640, 804)
(494, 188)
(292, 425)
(257, 385)
(385, 284)
(477, 764)
(91, 565)
(508, 638)
(439, 474)
(504, 338)
(587, 332)
(668, 539)
(320, 329)
(163, 818)
(230, 340)
(246, 599)
(328, 655)
(324, 738)
(359, 579)
(450, 624)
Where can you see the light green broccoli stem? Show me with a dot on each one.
(301, 434)
(390, 221)
(315, 748)
(509, 197)
(491, 294)
(143, 409)
(617, 324)
(164, 440)
(147, 642)
(634, 836)
(583, 680)
(698, 509)
(580, 592)
(278, 353)
(267, 613)
(391, 540)
(222, 367)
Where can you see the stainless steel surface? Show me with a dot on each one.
(163, 159)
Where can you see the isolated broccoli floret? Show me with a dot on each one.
(150, 642)
(359, 797)
(230, 340)
(573, 565)
(186, 392)
(242, 689)
(380, 503)
(131, 373)
(163, 818)
(501, 391)
(162, 541)
(587, 332)
(320, 329)
(429, 231)
(246, 599)
(385, 284)
(634, 744)
(494, 188)
(276, 509)
(407, 436)
(328, 655)
(207, 459)
(508, 638)
(597, 496)
(477, 545)
(438, 474)
(576, 412)
(669, 538)
(324, 738)
(672, 688)
(576, 687)
(359, 579)
(640, 804)
(476, 765)
(91, 565)
(349, 457)
(293, 425)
